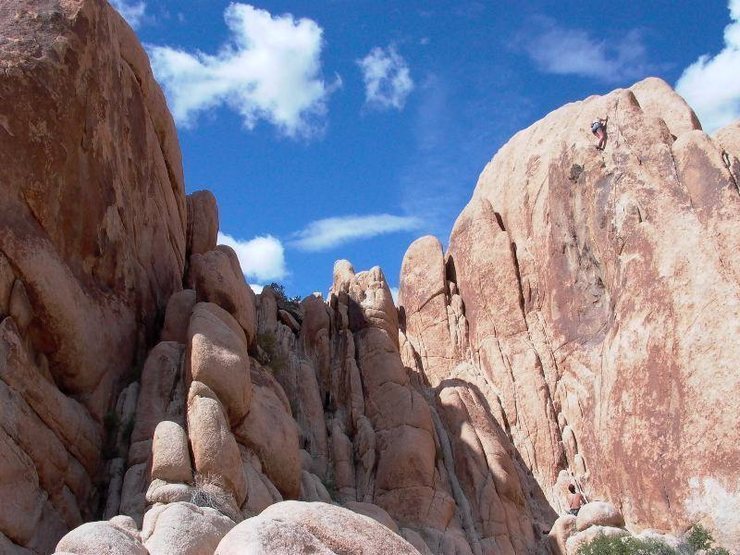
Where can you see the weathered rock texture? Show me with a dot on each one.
(593, 299)
(295, 527)
(92, 244)
(581, 328)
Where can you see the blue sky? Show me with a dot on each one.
(347, 128)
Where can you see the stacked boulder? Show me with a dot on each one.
(597, 518)
(569, 328)
(214, 440)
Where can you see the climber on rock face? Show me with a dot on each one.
(575, 500)
(598, 128)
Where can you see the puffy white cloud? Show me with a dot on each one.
(261, 258)
(269, 70)
(711, 85)
(256, 287)
(564, 51)
(132, 11)
(387, 78)
(325, 234)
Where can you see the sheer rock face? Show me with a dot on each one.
(601, 294)
(93, 222)
(92, 245)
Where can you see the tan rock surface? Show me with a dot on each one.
(100, 538)
(485, 470)
(569, 333)
(183, 529)
(170, 453)
(217, 278)
(270, 431)
(177, 316)
(160, 491)
(218, 357)
(590, 283)
(202, 225)
(296, 527)
(98, 265)
(598, 513)
(657, 99)
(215, 452)
(563, 528)
(92, 242)
(262, 492)
(312, 489)
(374, 512)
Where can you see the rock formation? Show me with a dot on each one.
(601, 306)
(579, 328)
(92, 246)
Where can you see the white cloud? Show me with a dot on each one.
(387, 78)
(564, 51)
(261, 258)
(269, 70)
(324, 234)
(711, 85)
(256, 287)
(132, 11)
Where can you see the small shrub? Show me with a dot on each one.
(273, 356)
(699, 538)
(267, 342)
(279, 290)
(282, 296)
(624, 545)
(208, 492)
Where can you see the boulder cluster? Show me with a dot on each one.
(580, 328)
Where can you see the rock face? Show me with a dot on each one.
(601, 297)
(580, 328)
(92, 244)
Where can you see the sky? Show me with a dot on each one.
(331, 129)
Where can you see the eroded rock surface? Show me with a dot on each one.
(600, 298)
(581, 327)
(92, 245)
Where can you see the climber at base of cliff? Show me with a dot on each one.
(575, 500)
(598, 128)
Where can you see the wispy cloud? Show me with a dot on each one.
(269, 70)
(261, 258)
(325, 234)
(711, 85)
(387, 78)
(132, 11)
(569, 51)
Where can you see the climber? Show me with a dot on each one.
(598, 128)
(575, 500)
